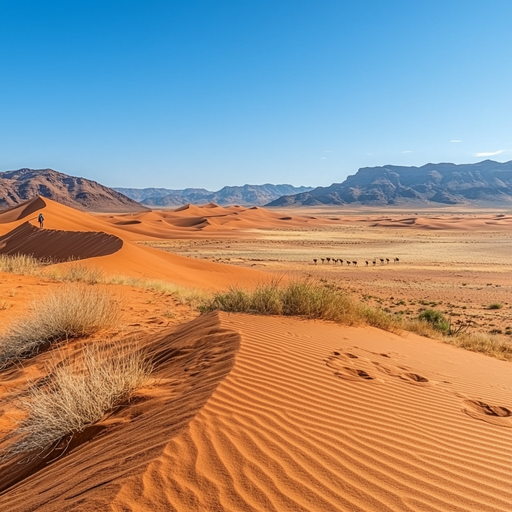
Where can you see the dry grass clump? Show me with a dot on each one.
(489, 344)
(21, 264)
(76, 396)
(73, 311)
(304, 298)
(77, 273)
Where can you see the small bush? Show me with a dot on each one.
(77, 396)
(496, 305)
(76, 310)
(436, 319)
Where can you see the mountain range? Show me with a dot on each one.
(482, 183)
(244, 195)
(23, 184)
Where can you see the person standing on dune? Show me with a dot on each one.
(41, 220)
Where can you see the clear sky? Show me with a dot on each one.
(210, 93)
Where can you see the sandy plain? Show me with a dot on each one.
(252, 413)
(457, 261)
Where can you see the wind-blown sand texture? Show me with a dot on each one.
(311, 417)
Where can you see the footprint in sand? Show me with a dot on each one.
(348, 366)
(493, 414)
(404, 373)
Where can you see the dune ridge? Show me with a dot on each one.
(58, 245)
(189, 364)
(317, 417)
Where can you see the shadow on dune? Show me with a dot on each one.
(56, 245)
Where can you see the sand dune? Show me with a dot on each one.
(57, 245)
(448, 222)
(190, 363)
(71, 233)
(311, 417)
(317, 417)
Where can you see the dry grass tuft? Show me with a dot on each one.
(74, 311)
(76, 396)
(304, 298)
(21, 264)
(77, 273)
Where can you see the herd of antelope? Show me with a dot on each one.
(354, 263)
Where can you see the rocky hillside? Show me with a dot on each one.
(19, 186)
(246, 195)
(483, 183)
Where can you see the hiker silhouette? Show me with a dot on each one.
(41, 220)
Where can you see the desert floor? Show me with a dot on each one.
(448, 262)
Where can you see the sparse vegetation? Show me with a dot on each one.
(76, 310)
(76, 396)
(496, 305)
(303, 297)
(83, 273)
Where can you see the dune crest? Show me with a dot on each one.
(58, 245)
(189, 364)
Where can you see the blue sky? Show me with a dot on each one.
(211, 93)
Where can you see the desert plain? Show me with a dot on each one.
(245, 412)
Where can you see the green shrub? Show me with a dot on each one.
(436, 319)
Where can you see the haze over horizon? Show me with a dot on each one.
(201, 94)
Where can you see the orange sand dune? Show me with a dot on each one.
(189, 363)
(311, 417)
(108, 247)
(448, 222)
(190, 221)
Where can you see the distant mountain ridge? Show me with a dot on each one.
(244, 195)
(482, 183)
(24, 184)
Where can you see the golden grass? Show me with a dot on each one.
(489, 344)
(82, 273)
(301, 297)
(76, 396)
(21, 264)
(72, 311)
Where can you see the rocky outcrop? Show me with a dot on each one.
(24, 184)
(483, 183)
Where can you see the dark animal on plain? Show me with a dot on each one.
(323, 259)
(328, 260)
(396, 260)
(381, 261)
(348, 262)
(366, 263)
(374, 262)
(354, 263)
(334, 260)
(341, 262)
(387, 261)
(315, 260)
